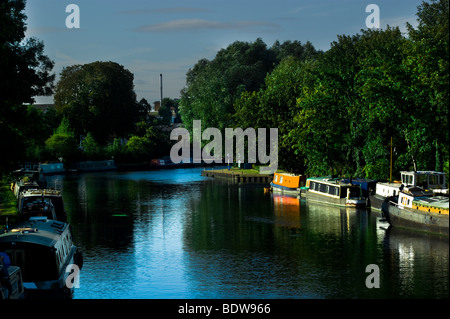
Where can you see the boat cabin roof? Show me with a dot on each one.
(421, 173)
(41, 192)
(417, 191)
(37, 230)
(332, 181)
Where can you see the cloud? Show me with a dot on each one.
(400, 22)
(44, 30)
(166, 11)
(199, 24)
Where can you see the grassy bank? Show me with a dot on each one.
(8, 202)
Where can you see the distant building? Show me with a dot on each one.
(157, 105)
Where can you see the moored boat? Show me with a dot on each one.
(27, 179)
(43, 249)
(334, 191)
(433, 183)
(31, 200)
(416, 209)
(286, 183)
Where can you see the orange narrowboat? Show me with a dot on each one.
(286, 183)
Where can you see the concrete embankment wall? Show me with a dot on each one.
(238, 177)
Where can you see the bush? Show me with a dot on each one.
(140, 148)
(91, 148)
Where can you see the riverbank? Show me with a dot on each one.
(8, 203)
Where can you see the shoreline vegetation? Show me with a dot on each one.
(8, 202)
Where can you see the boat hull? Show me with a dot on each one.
(322, 198)
(376, 201)
(285, 190)
(416, 220)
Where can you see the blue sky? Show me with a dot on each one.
(169, 37)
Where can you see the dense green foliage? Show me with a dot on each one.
(336, 112)
(212, 87)
(24, 72)
(98, 98)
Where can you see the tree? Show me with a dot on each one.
(212, 87)
(428, 64)
(25, 72)
(63, 142)
(275, 105)
(144, 109)
(382, 108)
(140, 148)
(166, 110)
(99, 98)
(91, 148)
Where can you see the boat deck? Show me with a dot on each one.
(438, 202)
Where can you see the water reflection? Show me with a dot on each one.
(418, 263)
(175, 234)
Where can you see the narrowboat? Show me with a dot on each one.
(53, 168)
(334, 191)
(415, 209)
(433, 183)
(27, 179)
(33, 200)
(43, 249)
(287, 183)
(96, 166)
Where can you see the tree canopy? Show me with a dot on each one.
(25, 72)
(213, 87)
(98, 98)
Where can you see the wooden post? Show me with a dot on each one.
(390, 175)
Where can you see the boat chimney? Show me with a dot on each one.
(161, 89)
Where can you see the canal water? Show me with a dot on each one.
(173, 234)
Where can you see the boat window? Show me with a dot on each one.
(281, 179)
(333, 190)
(63, 246)
(407, 180)
(422, 181)
(38, 263)
(433, 179)
(276, 178)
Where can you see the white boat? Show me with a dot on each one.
(432, 183)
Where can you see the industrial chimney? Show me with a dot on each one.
(161, 88)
